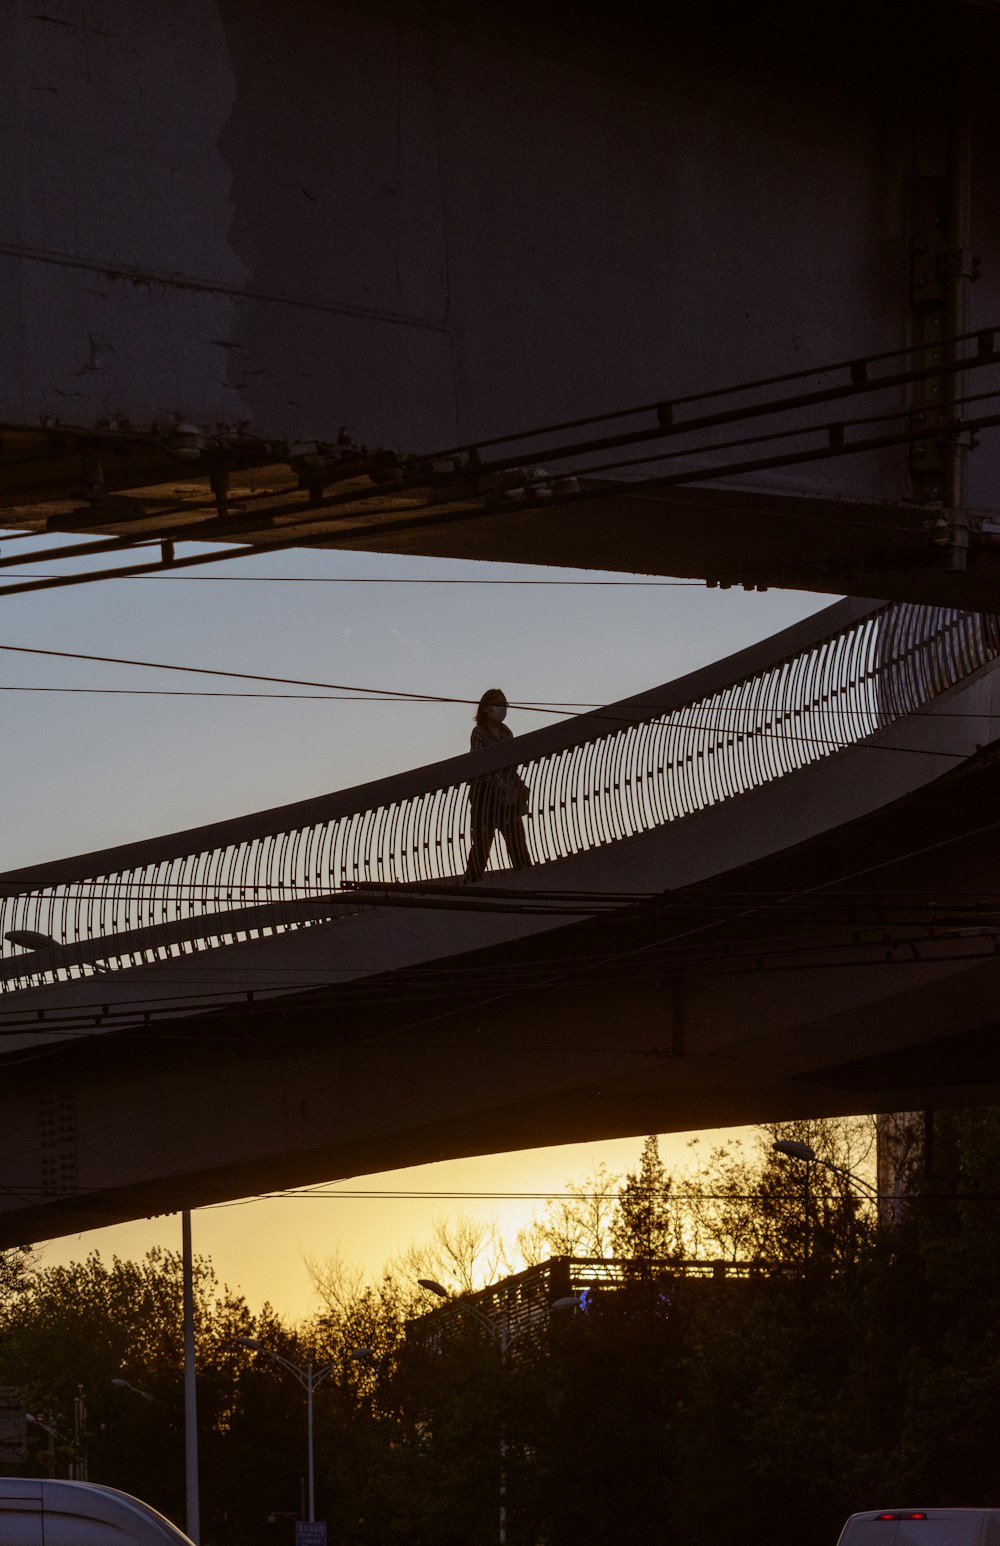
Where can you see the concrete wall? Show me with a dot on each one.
(430, 221)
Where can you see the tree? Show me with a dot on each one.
(578, 1224)
(763, 1405)
(641, 1229)
(418, 1458)
(464, 1256)
(754, 1208)
(605, 1430)
(76, 1329)
(16, 1266)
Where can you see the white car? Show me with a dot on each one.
(923, 1527)
(34, 1512)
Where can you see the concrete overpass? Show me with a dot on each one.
(411, 221)
(765, 889)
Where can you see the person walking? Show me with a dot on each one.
(498, 801)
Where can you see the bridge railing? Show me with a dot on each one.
(600, 778)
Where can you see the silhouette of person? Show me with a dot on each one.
(498, 801)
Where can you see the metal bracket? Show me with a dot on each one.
(107, 510)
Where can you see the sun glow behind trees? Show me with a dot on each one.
(762, 1405)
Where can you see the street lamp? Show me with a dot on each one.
(77, 1464)
(503, 1337)
(806, 1152)
(793, 1148)
(53, 1434)
(125, 1385)
(310, 1378)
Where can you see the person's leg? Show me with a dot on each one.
(484, 828)
(517, 843)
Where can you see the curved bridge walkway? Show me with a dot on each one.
(601, 784)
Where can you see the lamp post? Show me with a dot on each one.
(121, 1384)
(192, 1485)
(504, 1338)
(310, 1378)
(793, 1148)
(77, 1462)
(53, 1434)
(29, 939)
(78, 1466)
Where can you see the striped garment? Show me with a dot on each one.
(506, 784)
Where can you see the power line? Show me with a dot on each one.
(417, 1194)
(829, 745)
(179, 692)
(137, 1021)
(243, 676)
(364, 693)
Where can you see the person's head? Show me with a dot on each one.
(492, 707)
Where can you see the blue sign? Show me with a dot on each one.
(310, 1532)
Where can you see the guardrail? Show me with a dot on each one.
(600, 778)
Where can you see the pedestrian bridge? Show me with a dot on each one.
(775, 868)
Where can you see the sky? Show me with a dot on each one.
(87, 768)
(267, 1248)
(100, 753)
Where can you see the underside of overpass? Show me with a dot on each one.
(777, 369)
(726, 535)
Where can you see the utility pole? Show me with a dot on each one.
(190, 1386)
